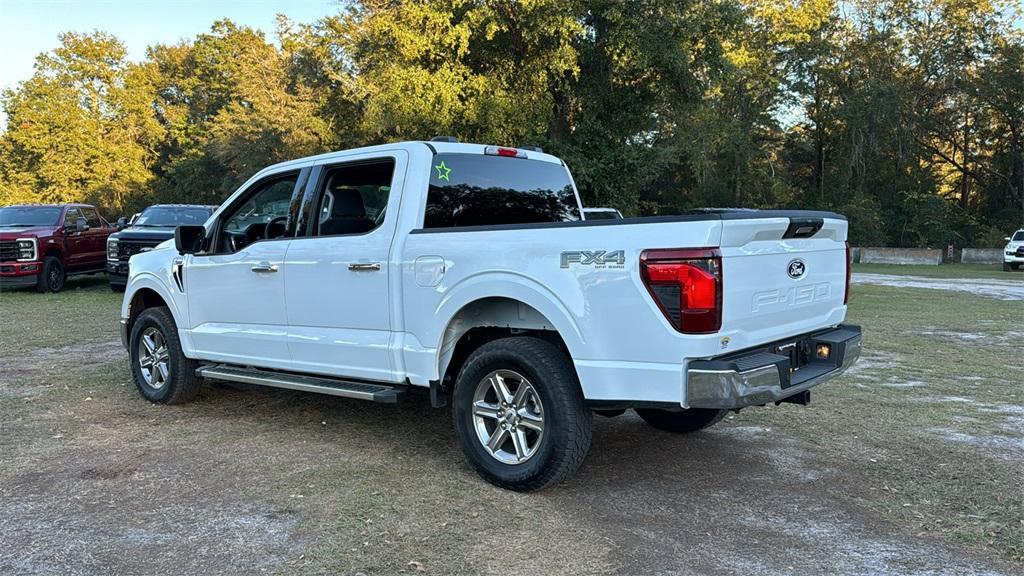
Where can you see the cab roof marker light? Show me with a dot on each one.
(500, 151)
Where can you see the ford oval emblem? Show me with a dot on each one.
(796, 269)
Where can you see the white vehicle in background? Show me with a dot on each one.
(601, 214)
(1013, 253)
(467, 271)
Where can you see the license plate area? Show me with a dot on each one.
(791, 351)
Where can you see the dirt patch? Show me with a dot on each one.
(36, 370)
(999, 289)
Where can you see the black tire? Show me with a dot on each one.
(181, 384)
(1015, 266)
(1006, 266)
(52, 276)
(565, 440)
(682, 421)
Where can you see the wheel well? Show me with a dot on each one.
(486, 320)
(142, 300)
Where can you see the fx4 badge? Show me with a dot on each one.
(595, 258)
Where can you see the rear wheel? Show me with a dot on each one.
(161, 371)
(682, 421)
(519, 414)
(52, 276)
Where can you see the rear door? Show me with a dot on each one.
(782, 276)
(339, 272)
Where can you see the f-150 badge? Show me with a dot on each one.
(595, 258)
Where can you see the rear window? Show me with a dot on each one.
(479, 190)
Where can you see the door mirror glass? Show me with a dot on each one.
(189, 239)
(121, 222)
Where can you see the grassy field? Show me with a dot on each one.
(909, 464)
(994, 271)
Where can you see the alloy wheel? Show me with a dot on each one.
(154, 358)
(508, 416)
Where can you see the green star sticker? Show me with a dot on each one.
(443, 171)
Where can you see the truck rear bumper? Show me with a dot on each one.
(774, 372)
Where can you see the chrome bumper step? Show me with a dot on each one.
(303, 382)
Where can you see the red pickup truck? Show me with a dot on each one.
(42, 244)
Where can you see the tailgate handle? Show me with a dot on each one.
(803, 227)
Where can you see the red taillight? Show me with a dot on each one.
(687, 286)
(849, 272)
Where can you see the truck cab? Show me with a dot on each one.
(469, 272)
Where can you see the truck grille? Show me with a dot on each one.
(1020, 252)
(127, 249)
(8, 250)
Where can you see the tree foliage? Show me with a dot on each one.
(907, 115)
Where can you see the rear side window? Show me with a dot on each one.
(479, 190)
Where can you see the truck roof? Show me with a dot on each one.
(436, 146)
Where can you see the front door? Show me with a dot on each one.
(339, 314)
(235, 291)
(77, 239)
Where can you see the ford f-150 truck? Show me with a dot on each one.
(469, 271)
(42, 244)
(147, 229)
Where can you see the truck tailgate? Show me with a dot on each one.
(782, 277)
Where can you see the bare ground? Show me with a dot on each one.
(903, 466)
(1009, 289)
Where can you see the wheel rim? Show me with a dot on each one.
(508, 416)
(154, 359)
(55, 276)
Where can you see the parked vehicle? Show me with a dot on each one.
(466, 270)
(1013, 253)
(601, 214)
(147, 229)
(42, 244)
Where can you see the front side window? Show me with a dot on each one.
(23, 216)
(481, 190)
(263, 215)
(72, 217)
(354, 198)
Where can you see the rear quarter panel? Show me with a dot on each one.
(620, 342)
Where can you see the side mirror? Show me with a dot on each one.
(121, 223)
(79, 225)
(189, 239)
(1007, 238)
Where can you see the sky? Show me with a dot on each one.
(31, 26)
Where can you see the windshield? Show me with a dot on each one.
(1019, 236)
(172, 216)
(476, 190)
(29, 216)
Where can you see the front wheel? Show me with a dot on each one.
(1006, 266)
(161, 372)
(52, 277)
(682, 421)
(519, 414)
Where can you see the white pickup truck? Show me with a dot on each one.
(469, 271)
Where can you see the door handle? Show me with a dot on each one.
(357, 266)
(264, 267)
